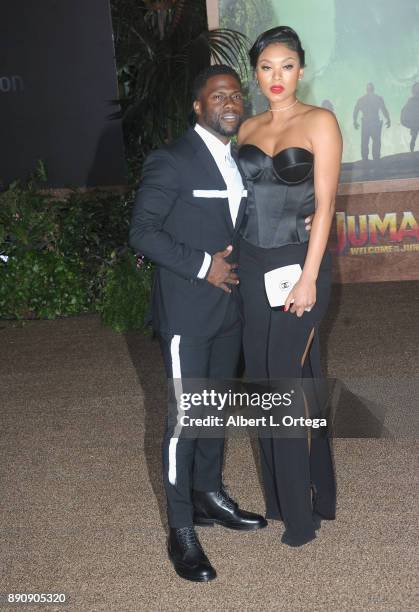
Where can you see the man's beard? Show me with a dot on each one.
(216, 125)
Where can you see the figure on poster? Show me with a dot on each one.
(409, 117)
(290, 155)
(371, 105)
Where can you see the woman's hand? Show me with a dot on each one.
(302, 297)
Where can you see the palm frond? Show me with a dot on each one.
(156, 75)
(229, 47)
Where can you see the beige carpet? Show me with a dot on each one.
(82, 411)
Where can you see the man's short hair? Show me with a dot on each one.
(215, 70)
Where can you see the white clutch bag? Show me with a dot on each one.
(279, 282)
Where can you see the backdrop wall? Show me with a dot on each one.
(348, 46)
(57, 84)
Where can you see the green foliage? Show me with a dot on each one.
(158, 55)
(41, 284)
(69, 256)
(93, 229)
(124, 302)
(27, 220)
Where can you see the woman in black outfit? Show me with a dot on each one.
(291, 157)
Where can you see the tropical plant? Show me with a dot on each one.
(160, 47)
(125, 298)
(41, 284)
(70, 255)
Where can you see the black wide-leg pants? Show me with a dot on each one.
(195, 464)
(274, 343)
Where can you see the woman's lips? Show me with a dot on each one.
(277, 89)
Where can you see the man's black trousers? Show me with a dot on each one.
(195, 464)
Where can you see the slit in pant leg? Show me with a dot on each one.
(322, 475)
(306, 407)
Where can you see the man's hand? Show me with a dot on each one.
(221, 272)
(356, 125)
(388, 124)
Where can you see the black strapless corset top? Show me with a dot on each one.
(280, 195)
(290, 166)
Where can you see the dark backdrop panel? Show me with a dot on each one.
(57, 83)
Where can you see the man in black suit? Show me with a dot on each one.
(187, 212)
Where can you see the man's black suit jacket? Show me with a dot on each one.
(181, 211)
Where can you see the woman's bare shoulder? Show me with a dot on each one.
(320, 117)
(321, 122)
(324, 132)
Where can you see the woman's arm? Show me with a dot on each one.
(326, 141)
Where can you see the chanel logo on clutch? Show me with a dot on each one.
(279, 282)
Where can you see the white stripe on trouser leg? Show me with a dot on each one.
(177, 382)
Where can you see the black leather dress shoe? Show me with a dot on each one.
(187, 556)
(217, 507)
